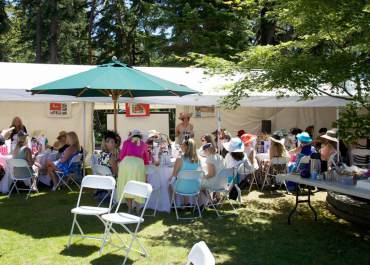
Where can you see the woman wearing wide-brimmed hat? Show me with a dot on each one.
(134, 156)
(184, 129)
(305, 148)
(328, 151)
(277, 148)
(235, 155)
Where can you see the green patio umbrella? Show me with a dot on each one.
(113, 80)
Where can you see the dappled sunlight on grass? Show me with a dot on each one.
(40, 226)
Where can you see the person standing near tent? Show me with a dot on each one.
(17, 126)
(184, 130)
(133, 157)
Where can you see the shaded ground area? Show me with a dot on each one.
(35, 232)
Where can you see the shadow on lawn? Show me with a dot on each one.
(48, 214)
(79, 250)
(259, 235)
(111, 259)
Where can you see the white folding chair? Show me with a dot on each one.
(73, 167)
(136, 189)
(102, 170)
(278, 165)
(200, 255)
(360, 157)
(16, 176)
(221, 186)
(247, 169)
(187, 184)
(92, 182)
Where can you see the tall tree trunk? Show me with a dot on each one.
(267, 28)
(54, 32)
(90, 29)
(39, 33)
(133, 49)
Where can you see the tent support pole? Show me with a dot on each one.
(84, 148)
(115, 99)
(338, 150)
(218, 118)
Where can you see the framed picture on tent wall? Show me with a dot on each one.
(204, 111)
(59, 110)
(137, 110)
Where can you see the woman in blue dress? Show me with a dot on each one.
(62, 164)
(188, 161)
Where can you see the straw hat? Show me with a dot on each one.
(62, 134)
(247, 138)
(152, 133)
(304, 137)
(37, 133)
(184, 115)
(331, 135)
(277, 139)
(234, 145)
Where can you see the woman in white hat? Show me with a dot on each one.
(184, 129)
(133, 157)
(235, 155)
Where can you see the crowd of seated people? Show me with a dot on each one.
(218, 150)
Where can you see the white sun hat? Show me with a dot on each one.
(234, 145)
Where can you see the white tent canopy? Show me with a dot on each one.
(16, 78)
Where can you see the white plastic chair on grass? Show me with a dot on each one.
(93, 182)
(102, 170)
(74, 164)
(16, 176)
(247, 169)
(278, 165)
(136, 189)
(221, 186)
(200, 255)
(187, 184)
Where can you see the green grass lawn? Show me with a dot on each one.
(35, 232)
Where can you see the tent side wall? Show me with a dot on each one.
(35, 117)
(250, 119)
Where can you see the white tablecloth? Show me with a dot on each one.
(262, 157)
(158, 177)
(6, 181)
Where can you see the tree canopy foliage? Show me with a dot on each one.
(304, 47)
(324, 51)
(138, 32)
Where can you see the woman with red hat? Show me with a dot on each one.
(249, 141)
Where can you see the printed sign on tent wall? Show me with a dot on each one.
(137, 110)
(204, 111)
(59, 110)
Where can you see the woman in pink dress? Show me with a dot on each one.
(133, 157)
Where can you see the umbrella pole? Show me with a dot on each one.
(115, 99)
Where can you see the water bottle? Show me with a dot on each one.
(315, 165)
